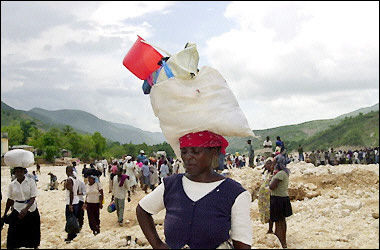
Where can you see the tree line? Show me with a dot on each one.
(49, 144)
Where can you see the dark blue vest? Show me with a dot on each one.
(202, 224)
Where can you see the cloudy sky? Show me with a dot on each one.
(286, 62)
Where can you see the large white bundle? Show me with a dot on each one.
(19, 158)
(202, 103)
(99, 166)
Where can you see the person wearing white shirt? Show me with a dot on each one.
(178, 167)
(356, 157)
(72, 199)
(129, 169)
(164, 170)
(81, 195)
(93, 203)
(24, 221)
(105, 166)
(267, 147)
(203, 208)
(119, 192)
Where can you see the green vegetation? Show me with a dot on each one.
(84, 146)
(361, 130)
(48, 133)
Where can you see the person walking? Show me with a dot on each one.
(72, 200)
(251, 154)
(280, 143)
(145, 176)
(300, 153)
(267, 144)
(141, 157)
(264, 194)
(129, 169)
(38, 168)
(113, 172)
(204, 209)
(164, 170)
(84, 173)
(81, 195)
(105, 166)
(35, 177)
(24, 220)
(93, 203)
(75, 172)
(153, 176)
(280, 206)
(119, 192)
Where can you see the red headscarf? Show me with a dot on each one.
(203, 139)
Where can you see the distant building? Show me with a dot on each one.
(161, 153)
(4, 143)
(65, 153)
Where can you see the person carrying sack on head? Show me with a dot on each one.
(203, 208)
(24, 220)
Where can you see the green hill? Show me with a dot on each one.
(83, 121)
(361, 130)
(11, 116)
(293, 135)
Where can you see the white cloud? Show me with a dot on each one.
(111, 12)
(285, 56)
(281, 60)
(79, 61)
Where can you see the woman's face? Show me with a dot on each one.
(91, 180)
(197, 160)
(268, 165)
(19, 173)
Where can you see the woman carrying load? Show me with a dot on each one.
(24, 221)
(203, 208)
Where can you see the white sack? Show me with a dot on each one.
(19, 158)
(202, 103)
(182, 64)
(99, 166)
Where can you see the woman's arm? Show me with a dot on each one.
(69, 186)
(240, 245)
(101, 198)
(273, 185)
(147, 226)
(241, 224)
(25, 210)
(8, 205)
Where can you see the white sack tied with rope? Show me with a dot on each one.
(19, 158)
(204, 102)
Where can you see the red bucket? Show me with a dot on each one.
(142, 59)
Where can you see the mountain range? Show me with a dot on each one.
(84, 122)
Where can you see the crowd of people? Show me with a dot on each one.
(84, 192)
(331, 157)
(161, 178)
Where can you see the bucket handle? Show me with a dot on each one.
(167, 53)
